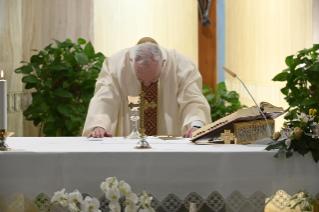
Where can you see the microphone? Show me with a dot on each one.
(234, 75)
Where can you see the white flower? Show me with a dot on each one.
(124, 187)
(90, 205)
(288, 142)
(113, 194)
(115, 206)
(130, 206)
(287, 133)
(111, 181)
(73, 207)
(149, 209)
(104, 187)
(315, 130)
(303, 117)
(146, 203)
(60, 197)
(75, 197)
(132, 197)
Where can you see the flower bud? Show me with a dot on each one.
(276, 135)
(298, 132)
(314, 111)
(310, 112)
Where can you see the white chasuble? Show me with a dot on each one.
(179, 102)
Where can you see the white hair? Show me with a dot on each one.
(146, 52)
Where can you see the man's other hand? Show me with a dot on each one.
(189, 132)
(99, 132)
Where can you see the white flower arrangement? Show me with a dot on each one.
(113, 191)
(300, 135)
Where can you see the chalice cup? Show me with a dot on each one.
(135, 133)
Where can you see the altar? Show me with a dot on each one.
(175, 172)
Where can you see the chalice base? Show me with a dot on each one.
(143, 144)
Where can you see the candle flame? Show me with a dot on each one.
(1, 74)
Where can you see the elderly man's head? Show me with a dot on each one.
(148, 63)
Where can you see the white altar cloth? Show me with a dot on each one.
(46, 165)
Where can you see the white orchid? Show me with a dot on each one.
(132, 197)
(286, 133)
(90, 205)
(130, 206)
(288, 142)
(115, 206)
(73, 207)
(113, 194)
(75, 197)
(104, 187)
(60, 197)
(146, 203)
(111, 182)
(124, 188)
(303, 117)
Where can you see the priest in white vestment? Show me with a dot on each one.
(181, 107)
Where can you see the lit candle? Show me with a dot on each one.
(3, 103)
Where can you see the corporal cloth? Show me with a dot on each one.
(179, 102)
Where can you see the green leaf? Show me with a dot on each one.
(69, 125)
(30, 85)
(89, 50)
(37, 99)
(49, 128)
(36, 67)
(281, 76)
(314, 144)
(65, 109)
(221, 89)
(24, 70)
(36, 59)
(66, 84)
(81, 58)
(210, 96)
(285, 91)
(48, 83)
(207, 89)
(289, 60)
(58, 43)
(309, 101)
(62, 93)
(37, 121)
(67, 43)
(81, 41)
(289, 152)
(50, 118)
(281, 150)
(43, 107)
(31, 79)
(59, 66)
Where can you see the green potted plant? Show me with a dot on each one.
(221, 102)
(63, 79)
(302, 82)
(300, 132)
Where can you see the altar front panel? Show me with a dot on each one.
(46, 165)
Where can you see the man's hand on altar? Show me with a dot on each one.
(99, 132)
(188, 133)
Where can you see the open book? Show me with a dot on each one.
(242, 115)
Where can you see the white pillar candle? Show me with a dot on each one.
(3, 103)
